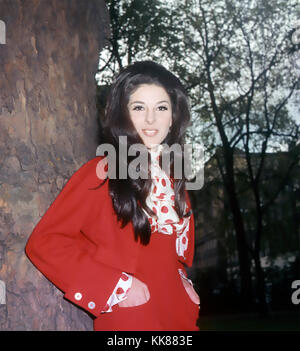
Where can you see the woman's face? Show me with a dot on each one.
(151, 113)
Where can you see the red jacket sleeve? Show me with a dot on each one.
(61, 251)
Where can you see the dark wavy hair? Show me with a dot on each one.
(129, 195)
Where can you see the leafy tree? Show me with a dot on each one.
(138, 30)
(235, 60)
(235, 56)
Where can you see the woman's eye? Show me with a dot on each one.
(138, 108)
(162, 108)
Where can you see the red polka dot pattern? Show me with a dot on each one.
(164, 209)
(124, 277)
(120, 292)
(162, 201)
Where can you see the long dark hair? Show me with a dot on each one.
(129, 195)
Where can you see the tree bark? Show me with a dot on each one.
(260, 276)
(242, 248)
(227, 171)
(49, 128)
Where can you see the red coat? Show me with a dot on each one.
(79, 245)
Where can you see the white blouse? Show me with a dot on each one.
(161, 201)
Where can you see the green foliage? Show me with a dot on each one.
(138, 30)
(229, 53)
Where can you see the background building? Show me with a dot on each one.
(216, 258)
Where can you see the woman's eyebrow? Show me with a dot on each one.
(136, 102)
(142, 102)
(163, 101)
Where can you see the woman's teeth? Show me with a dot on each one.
(150, 132)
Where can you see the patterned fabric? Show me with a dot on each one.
(161, 201)
(119, 293)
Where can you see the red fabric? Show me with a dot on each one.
(79, 245)
(169, 307)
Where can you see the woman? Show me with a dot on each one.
(118, 249)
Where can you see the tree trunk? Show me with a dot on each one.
(260, 285)
(242, 248)
(260, 276)
(227, 171)
(48, 130)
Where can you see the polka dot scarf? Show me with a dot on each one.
(161, 201)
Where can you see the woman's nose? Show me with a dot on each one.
(150, 116)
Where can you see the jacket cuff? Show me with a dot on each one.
(91, 288)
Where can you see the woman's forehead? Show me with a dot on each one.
(149, 92)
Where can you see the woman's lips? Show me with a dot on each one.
(150, 132)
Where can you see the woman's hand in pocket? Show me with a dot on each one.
(191, 291)
(137, 295)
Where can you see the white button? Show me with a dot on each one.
(78, 296)
(91, 305)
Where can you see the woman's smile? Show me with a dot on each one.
(150, 132)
